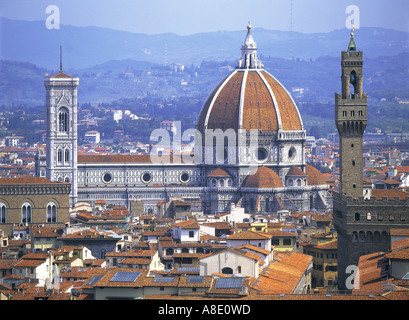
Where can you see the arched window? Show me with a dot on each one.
(59, 156)
(368, 216)
(357, 216)
(63, 118)
(227, 270)
(51, 212)
(361, 236)
(26, 213)
(267, 205)
(67, 156)
(3, 212)
(353, 81)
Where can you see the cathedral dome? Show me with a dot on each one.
(263, 177)
(250, 98)
(314, 176)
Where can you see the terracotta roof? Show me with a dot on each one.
(371, 267)
(314, 176)
(263, 177)
(254, 248)
(389, 193)
(399, 232)
(28, 180)
(264, 97)
(403, 243)
(187, 224)
(46, 232)
(283, 274)
(399, 254)
(250, 235)
(219, 173)
(330, 245)
(295, 171)
(61, 75)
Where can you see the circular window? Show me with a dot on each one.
(146, 177)
(291, 154)
(184, 177)
(107, 178)
(262, 154)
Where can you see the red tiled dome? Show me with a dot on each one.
(263, 177)
(314, 176)
(250, 99)
(295, 171)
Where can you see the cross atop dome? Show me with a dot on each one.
(249, 52)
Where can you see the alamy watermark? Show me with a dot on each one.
(352, 281)
(353, 20)
(53, 20)
(211, 147)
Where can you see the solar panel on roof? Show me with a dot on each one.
(163, 279)
(229, 283)
(125, 276)
(93, 280)
(188, 269)
(195, 279)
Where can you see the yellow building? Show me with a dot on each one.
(325, 263)
(44, 238)
(259, 226)
(283, 240)
(251, 226)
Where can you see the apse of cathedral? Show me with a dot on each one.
(249, 151)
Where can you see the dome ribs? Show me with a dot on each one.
(258, 109)
(288, 112)
(225, 111)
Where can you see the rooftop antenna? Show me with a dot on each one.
(60, 59)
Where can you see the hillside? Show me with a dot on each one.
(88, 46)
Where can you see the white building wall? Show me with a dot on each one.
(226, 259)
(184, 235)
(264, 244)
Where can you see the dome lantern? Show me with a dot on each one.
(249, 53)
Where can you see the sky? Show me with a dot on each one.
(185, 17)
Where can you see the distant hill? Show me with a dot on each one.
(85, 47)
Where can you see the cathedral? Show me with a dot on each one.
(249, 151)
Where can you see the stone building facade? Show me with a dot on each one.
(33, 200)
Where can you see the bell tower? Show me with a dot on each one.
(351, 121)
(61, 136)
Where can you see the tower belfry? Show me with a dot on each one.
(61, 138)
(351, 120)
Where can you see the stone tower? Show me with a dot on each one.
(61, 137)
(363, 216)
(351, 120)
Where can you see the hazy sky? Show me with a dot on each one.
(192, 16)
